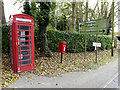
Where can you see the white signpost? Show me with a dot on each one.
(96, 44)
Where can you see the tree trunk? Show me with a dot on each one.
(2, 13)
(106, 10)
(43, 21)
(44, 50)
(92, 14)
(86, 16)
(81, 12)
(98, 12)
(74, 15)
(55, 19)
(110, 21)
(101, 8)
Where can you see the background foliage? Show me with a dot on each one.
(5, 39)
(75, 42)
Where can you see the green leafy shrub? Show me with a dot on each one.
(5, 39)
(115, 42)
(62, 23)
(76, 42)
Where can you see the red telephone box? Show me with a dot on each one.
(21, 38)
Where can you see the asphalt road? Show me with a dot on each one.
(114, 83)
(100, 78)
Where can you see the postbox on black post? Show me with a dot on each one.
(62, 48)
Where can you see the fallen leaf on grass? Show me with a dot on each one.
(32, 83)
(31, 79)
(51, 66)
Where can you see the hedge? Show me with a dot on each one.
(5, 39)
(76, 42)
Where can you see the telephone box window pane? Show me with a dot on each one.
(22, 32)
(24, 27)
(18, 48)
(11, 38)
(24, 57)
(18, 27)
(10, 28)
(30, 57)
(10, 33)
(30, 27)
(24, 42)
(25, 48)
(25, 52)
(24, 38)
(25, 62)
(18, 32)
(21, 56)
(18, 41)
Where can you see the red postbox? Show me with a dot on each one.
(62, 47)
(21, 38)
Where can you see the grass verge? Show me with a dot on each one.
(101, 62)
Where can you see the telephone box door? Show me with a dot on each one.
(24, 47)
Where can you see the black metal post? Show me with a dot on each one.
(112, 51)
(96, 46)
(61, 56)
(85, 48)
